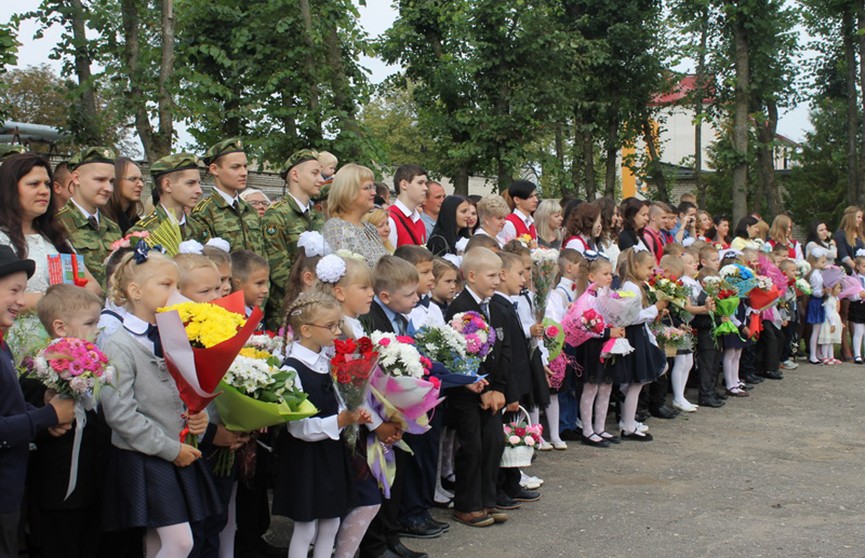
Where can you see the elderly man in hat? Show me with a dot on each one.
(90, 232)
(285, 220)
(223, 213)
(176, 190)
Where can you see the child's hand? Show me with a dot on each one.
(389, 432)
(225, 438)
(862, 295)
(661, 305)
(617, 332)
(710, 304)
(537, 330)
(197, 423)
(60, 429)
(832, 329)
(746, 332)
(187, 455)
(65, 409)
(477, 387)
(513, 407)
(725, 319)
(492, 401)
(785, 323)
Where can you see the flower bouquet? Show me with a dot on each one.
(545, 265)
(726, 303)
(672, 339)
(768, 268)
(619, 309)
(351, 368)
(553, 337)
(480, 337)
(764, 295)
(398, 393)
(521, 437)
(74, 368)
(739, 277)
(802, 287)
(666, 286)
(443, 345)
(200, 341)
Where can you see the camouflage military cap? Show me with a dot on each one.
(173, 163)
(215, 151)
(92, 155)
(297, 158)
(8, 150)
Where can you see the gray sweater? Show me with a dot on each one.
(144, 407)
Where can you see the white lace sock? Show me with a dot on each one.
(352, 530)
(629, 407)
(813, 349)
(171, 541)
(226, 537)
(587, 403)
(682, 365)
(602, 405)
(553, 418)
(731, 367)
(858, 337)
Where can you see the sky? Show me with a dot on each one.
(376, 17)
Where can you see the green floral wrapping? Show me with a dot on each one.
(726, 307)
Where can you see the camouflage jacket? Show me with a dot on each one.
(283, 223)
(92, 243)
(150, 222)
(240, 226)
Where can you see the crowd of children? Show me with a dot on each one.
(159, 496)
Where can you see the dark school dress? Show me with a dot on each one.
(736, 340)
(645, 364)
(314, 479)
(589, 356)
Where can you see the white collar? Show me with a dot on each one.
(354, 325)
(478, 299)
(134, 324)
(305, 208)
(315, 361)
(228, 199)
(413, 215)
(84, 211)
(527, 219)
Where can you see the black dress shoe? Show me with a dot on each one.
(641, 416)
(587, 441)
(426, 530)
(387, 553)
(570, 435)
(448, 484)
(753, 379)
(772, 375)
(505, 502)
(400, 550)
(523, 495)
(714, 402)
(664, 412)
(722, 395)
(444, 526)
(637, 437)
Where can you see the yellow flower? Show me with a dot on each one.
(252, 352)
(207, 324)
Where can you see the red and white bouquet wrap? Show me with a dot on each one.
(77, 369)
(402, 391)
(582, 321)
(199, 342)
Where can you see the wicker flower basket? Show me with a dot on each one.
(518, 456)
(670, 351)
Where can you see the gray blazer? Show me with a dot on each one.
(143, 408)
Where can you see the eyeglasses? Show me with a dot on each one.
(259, 203)
(335, 327)
(134, 179)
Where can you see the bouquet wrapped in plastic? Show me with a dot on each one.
(398, 392)
(351, 368)
(669, 287)
(802, 286)
(77, 369)
(582, 322)
(553, 337)
(851, 288)
(726, 303)
(620, 309)
(480, 337)
(200, 341)
(765, 294)
(768, 268)
(545, 265)
(739, 278)
(443, 345)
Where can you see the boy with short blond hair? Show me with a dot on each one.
(69, 311)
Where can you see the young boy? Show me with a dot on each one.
(250, 273)
(65, 524)
(513, 280)
(21, 421)
(789, 316)
(176, 190)
(473, 411)
(525, 198)
(708, 356)
(395, 282)
(423, 312)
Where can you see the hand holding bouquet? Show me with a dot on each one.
(726, 303)
(351, 368)
(442, 344)
(545, 265)
(666, 286)
(620, 309)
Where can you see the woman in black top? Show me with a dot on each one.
(635, 216)
(451, 226)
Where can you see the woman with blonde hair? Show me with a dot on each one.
(782, 233)
(492, 212)
(378, 218)
(849, 237)
(548, 222)
(352, 196)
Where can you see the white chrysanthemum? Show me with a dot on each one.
(729, 270)
(545, 254)
(190, 247)
(219, 243)
(313, 244)
(330, 269)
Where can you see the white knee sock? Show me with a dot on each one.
(812, 342)
(352, 529)
(326, 537)
(731, 367)
(587, 404)
(301, 538)
(171, 541)
(858, 337)
(602, 405)
(682, 365)
(629, 408)
(553, 417)
(226, 537)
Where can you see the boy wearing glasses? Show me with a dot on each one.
(224, 214)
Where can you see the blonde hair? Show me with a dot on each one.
(851, 229)
(357, 272)
(187, 263)
(492, 206)
(588, 267)
(478, 259)
(672, 264)
(546, 209)
(781, 229)
(61, 302)
(346, 184)
(392, 273)
(673, 249)
(327, 158)
(376, 217)
(567, 256)
(627, 264)
(306, 308)
(509, 259)
(129, 271)
(217, 255)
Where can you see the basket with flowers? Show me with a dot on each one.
(521, 438)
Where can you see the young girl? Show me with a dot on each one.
(314, 486)
(832, 328)
(153, 480)
(647, 362)
(445, 276)
(198, 278)
(815, 314)
(566, 290)
(250, 273)
(596, 377)
(302, 276)
(353, 289)
(734, 344)
(222, 259)
(856, 313)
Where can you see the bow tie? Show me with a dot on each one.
(424, 302)
(524, 292)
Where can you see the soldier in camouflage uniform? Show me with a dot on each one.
(285, 220)
(91, 233)
(223, 214)
(176, 190)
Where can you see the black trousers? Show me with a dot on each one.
(708, 362)
(771, 345)
(476, 463)
(253, 508)
(420, 472)
(9, 534)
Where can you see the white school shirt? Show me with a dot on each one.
(426, 315)
(509, 231)
(314, 429)
(559, 300)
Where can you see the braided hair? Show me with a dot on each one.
(303, 309)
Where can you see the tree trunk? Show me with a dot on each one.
(504, 174)
(86, 129)
(655, 168)
(461, 181)
(164, 139)
(740, 119)
(132, 58)
(314, 133)
(860, 16)
(853, 190)
(700, 93)
(766, 158)
(589, 165)
(612, 157)
(576, 159)
(342, 94)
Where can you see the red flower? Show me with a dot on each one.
(435, 382)
(404, 339)
(347, 346)
(520, 431)
(364, 345)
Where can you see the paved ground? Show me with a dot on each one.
(781, 473)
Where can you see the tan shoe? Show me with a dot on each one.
(474, 519)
